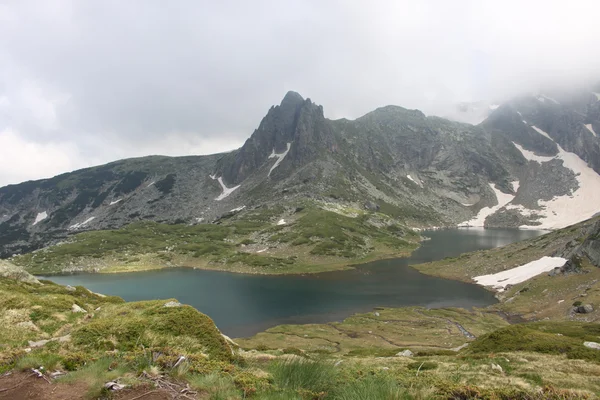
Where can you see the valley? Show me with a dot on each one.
(396, 252)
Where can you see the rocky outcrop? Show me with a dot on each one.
(424, 171)
(11, 271)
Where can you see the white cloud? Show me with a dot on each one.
(117, 79)
(25, 160)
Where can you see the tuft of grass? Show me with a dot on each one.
(298, 374)
(372, 387)
(39, 359)
(215, 386)
(96, 374)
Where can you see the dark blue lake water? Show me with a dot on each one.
(242, 305)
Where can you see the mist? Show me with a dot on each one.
(84, 83)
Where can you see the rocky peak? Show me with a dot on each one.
(296, 121)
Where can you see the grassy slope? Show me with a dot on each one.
(542, 296)
(393, 330)
(138, 343)
(313, 240)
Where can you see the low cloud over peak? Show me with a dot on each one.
(83, 83)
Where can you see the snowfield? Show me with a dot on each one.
(566, 210)
(226, 191)
(520, 274)
(479, 219)
(531, 156)
(589, 127)
(279, 157)
(112, 203)
(82, 224)
(40, 217)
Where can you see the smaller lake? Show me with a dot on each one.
(242, 305)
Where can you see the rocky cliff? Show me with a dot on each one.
(534, 161)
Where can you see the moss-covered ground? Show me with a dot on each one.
(151, 349)
(312, 239)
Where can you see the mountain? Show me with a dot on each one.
(534, 161)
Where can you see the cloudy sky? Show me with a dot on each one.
(87, 82)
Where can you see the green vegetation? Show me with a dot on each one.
(334, 234)
(542, 337)
(383, 333)
(313, 240)
(138, 344)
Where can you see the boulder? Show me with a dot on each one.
(371, 206)
(592, 345)
(496, 367)
(405, 353)
(76, 309)
(11, 271)
(584, 309)
(172, 304)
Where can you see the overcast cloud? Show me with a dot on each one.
(87, 82)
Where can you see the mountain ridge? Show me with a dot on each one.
(422, 170)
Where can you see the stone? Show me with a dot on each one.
(113, 386)
(592, 345)
(376, 314)
(11, 271)
(405, 353)
(70, 288)
(496, 367)
(76, 309)
(371, 206)
(585, 309)
(172, 304)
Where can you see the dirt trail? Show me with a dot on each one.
(26, 386)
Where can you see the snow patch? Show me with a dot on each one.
(414, 180)
(279, 157)
(479, 219)
(40, 217)
(151, 183)
(112, 203)
(226, 191)
(520, 274)
(494, 106)
(589, 127)
(543, 98)
(531, 156)
(515, 185)
(237, 209)
(199, 219)
(541, 132)
(281, 222)
(82, 224)
(518, 112)
(597, 96)
(582, 204)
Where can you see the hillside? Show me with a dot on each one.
(67, 342)
(530, 163)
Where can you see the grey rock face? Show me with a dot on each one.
(426, 171)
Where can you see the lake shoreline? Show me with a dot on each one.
(242, 269)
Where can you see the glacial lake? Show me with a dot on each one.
(242, 305)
